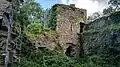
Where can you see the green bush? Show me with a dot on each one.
(34, 28)
(91, 61)
(53, 59)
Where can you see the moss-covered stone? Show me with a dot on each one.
(106, 42)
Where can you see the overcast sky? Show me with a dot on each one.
(91, 5)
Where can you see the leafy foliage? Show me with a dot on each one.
(108, 10)
(27, 19)
(52, 19)
(94, 16)
(34, 28)
(115, 17)
(115, 3)
(53, 59)
(28, 13)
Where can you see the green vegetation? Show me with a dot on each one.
(113, 27)
(31, 20)
(91, 31)
(107, 28)
(114, 5)
(115, 17)
(53, 59)
(34, 28)
(52, 19)
(46, 58)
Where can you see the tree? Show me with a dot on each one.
(115, 3)
(28, 13)
(94, 16)
(108, 11)
(34, 10)
(35, 28)
(31, 10)
(52, 19)
(45, 18)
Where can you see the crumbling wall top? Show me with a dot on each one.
(66, 9)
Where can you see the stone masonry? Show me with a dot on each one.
(68, 24)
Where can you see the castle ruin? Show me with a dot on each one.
(69, 24)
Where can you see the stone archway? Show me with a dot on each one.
(70, 50)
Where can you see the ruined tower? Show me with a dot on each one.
(68, 24)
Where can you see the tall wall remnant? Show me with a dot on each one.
(68, 21)
(6, 14)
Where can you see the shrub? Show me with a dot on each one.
(53, 59)
(34, 28)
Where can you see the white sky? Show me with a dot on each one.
(91, 5)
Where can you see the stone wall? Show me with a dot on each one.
(5, 7)
(102, 38)
(46, 40)
(68, 24)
